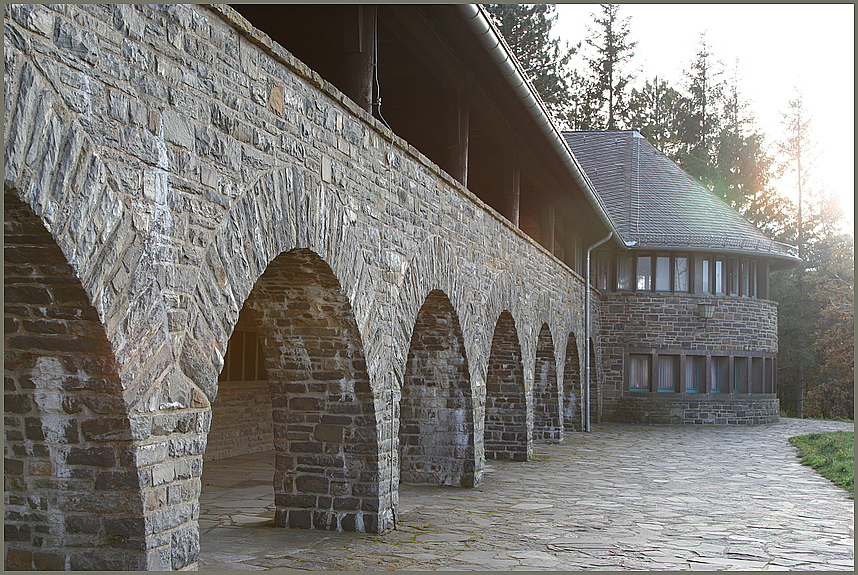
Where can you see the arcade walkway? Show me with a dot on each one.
(622, 497)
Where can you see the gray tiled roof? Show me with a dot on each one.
(656, 204)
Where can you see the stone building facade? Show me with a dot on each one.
(212, 249)
(174, 179)
(688, 332)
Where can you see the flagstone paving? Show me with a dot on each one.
(621, 497)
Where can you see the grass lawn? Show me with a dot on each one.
(831, 454)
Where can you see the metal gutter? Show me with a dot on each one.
(509, 67)
(587, 330)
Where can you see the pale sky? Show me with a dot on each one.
(778, 46)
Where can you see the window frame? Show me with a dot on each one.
(647, 371)
(694, 369)
(639, 274)
(675, 359)
(658, 273)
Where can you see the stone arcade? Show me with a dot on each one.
(214, 246)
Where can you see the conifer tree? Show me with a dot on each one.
(656, 111)
(796, 148)
(608, 81)
(545, 59)
(701, 121)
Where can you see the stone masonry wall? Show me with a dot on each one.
(670, 322)
(241, 420)
(506, 424)
(172, 153)
(706, 410)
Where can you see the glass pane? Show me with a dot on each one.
(624, 273)
(694, 365)
(720, 279)
(603, 262)
(756, 375)
(743, 278)
(680, 274)
(752, 279)
(662, 273)
(668, 372)
(644, 275)
(719, 374)
(639, 370)
(733, 276)
(707, 288)
(740, 375)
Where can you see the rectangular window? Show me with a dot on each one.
(733, 276)
(640, 367)
(720, 372)
(644, 273)
(763, 280)
(624, 273)
(680, 274)
(695, 366)
(668, 372)
(603, 263)
(707, 277)
(752, 278)
(662, 273)
(773, 376)
(740, 375)
(720, 277)
(743, 278)
(756, 375)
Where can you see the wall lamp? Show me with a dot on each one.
(706, 310)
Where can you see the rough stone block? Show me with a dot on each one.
(19, 559)
(93, 456)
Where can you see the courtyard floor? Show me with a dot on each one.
(639, 497)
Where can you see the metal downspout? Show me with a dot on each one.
(500, 55)
(587, 332)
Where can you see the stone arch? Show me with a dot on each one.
(73, 483)
(276, 214)
(433, 266)
(572, 388)
(114, 240)
(436, 409)
(505, 430)
(547, 420)
(323, 408)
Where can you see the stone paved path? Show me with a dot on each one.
(621, 497)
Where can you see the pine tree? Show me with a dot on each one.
(608, 82)
(545, 60)
(742, 166)
(702, 116)
(656, 111)
(796, 148)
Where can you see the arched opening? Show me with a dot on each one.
(436, 432)
(238, 478)
(72, 495)
(325, 464)
(572, 389)
(547, 426)
(505, 429)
